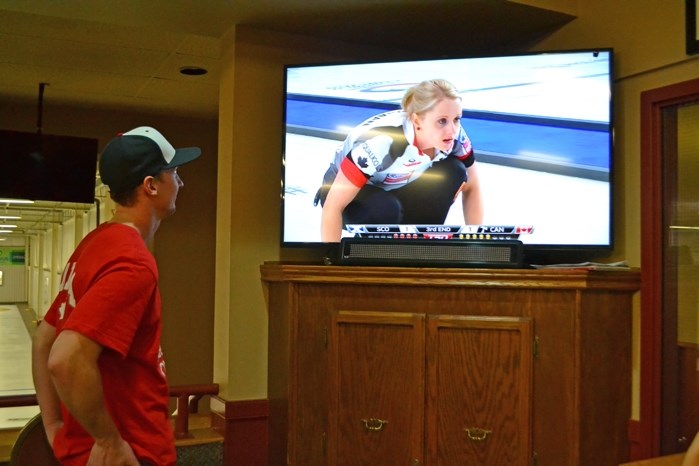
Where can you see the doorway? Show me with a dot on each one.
(670, 268)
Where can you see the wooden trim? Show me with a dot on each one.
(653, 102)
(561, 278)
(185, 406)
(188, 397)
(635, 444)
(651, 273)
(18, 400)
(243, 425)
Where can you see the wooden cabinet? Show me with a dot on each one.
(418, 366)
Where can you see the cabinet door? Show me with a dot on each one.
(479, 378)
(377, 397)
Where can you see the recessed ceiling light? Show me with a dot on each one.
(193, 71)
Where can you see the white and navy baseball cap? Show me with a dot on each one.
(128, 158)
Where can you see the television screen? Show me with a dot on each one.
(44, 167)
(534, 132)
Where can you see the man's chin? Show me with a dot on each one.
(170, 212)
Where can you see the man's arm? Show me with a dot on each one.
(75, 373)
(45, 392)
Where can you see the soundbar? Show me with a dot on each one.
(431, 253)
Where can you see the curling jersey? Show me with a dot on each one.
(381, 152)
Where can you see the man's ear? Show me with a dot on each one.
(150, 186)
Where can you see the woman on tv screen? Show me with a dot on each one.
(403, 167)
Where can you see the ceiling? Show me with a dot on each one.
(127, 54)
(33, 218)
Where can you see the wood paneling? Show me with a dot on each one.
(479, 390)
(376, 385)
(243, 425)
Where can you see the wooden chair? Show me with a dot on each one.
(32, 447)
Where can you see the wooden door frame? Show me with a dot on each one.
(653, 102)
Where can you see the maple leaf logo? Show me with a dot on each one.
(362, 162)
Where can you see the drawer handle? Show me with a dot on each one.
(374, 424)
(477, 434)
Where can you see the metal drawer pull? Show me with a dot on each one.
(477, 434)
(374, 424)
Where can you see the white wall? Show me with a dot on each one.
(14, 277)
(14, 284)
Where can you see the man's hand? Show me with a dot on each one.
(74, 369)
(112, 453)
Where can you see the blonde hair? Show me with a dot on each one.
(424, 96)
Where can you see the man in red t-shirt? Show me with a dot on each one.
(98, 367)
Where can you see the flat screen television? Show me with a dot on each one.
(44, 167)
(540, 126)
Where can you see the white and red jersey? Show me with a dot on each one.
(381, 152)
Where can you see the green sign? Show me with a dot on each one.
(11, 256)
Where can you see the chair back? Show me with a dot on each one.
(32, 447)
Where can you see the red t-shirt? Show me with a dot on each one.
(109, 293)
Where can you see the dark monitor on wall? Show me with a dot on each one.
(47, 168)
(541, 129)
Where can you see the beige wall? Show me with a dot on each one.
(648, 37)
(184, 246)
(250, 122)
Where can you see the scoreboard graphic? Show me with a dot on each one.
(439, 232)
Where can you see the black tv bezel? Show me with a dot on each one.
(533, 253)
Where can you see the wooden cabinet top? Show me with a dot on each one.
(560, 278)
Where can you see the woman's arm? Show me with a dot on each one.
(341, 193)
(471, 197)
(73, 365)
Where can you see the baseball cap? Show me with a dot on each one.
(128, 158)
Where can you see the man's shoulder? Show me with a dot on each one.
(115, 241)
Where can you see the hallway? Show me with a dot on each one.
(15, 363)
